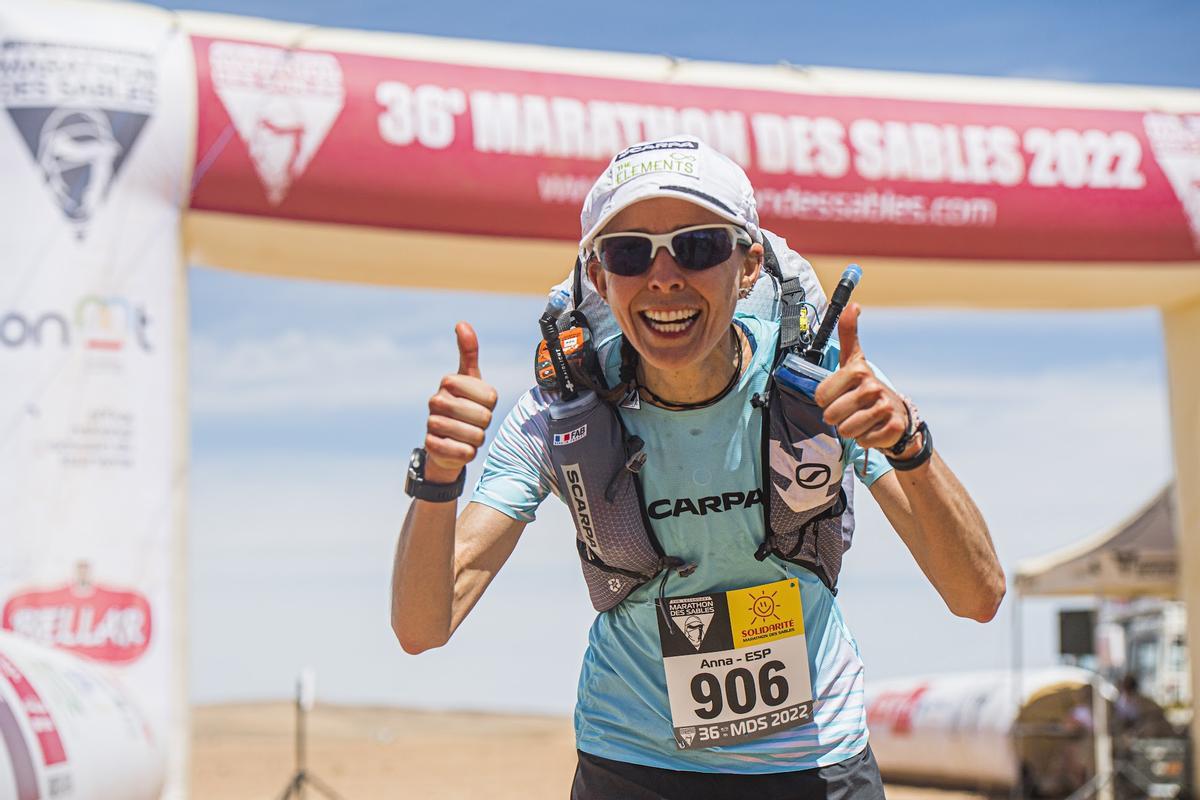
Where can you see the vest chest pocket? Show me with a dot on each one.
(806, 499)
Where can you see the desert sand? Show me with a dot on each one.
(246, 752)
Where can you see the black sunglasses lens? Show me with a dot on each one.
(625, 255)
(703, 248)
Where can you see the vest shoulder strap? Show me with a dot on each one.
(791, 296)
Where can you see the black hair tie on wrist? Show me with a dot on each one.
(922, 455)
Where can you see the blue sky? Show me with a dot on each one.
(306, 397)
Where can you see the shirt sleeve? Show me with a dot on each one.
(517, 474)
(868, 465)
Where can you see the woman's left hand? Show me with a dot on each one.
(928, 507)
(857, 403)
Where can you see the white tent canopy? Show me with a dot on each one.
(1137, 558)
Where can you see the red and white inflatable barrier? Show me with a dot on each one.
(69, 729)
(958, 729)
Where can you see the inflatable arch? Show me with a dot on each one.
(134, 141)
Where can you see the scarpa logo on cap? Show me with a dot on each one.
(681, 144)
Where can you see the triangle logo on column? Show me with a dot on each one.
(282, 103)
(79, 111)
(1175, 141)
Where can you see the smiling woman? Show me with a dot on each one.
(676, 309)
(700, 487)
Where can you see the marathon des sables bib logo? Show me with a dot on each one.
(79, 111)
(282, 103)
(99, 622)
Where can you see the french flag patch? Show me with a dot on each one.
(571, 436)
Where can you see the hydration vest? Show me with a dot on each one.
(807, 502)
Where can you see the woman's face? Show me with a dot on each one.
(674, 317)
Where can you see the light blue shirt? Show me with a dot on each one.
(622, 711)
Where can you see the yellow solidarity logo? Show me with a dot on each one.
(760, 614)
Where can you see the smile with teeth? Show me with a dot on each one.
(673, 321)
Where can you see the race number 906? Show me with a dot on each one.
(740, 691)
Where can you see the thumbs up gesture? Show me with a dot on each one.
(861, 406)
(459, 413)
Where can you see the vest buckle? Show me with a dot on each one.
(637, 455)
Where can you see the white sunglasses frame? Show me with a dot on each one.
(661, 240)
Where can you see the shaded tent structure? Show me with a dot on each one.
(1137, 558)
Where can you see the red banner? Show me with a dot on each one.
(367, 140)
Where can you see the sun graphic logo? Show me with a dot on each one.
(763, 607)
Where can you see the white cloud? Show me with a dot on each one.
(297, 371)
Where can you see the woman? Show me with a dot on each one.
(731, 673)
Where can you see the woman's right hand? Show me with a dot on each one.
(459, 413)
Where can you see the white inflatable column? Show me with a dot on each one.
(1182, 327)
(97, 122)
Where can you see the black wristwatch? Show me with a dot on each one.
(922, 455)
(416, 485)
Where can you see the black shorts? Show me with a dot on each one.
(856, 778)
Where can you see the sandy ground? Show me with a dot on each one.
(246, 752)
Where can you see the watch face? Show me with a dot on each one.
(416, 460)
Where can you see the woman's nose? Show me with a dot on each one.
(664, 273)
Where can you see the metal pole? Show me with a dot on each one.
(1101, 741)
(300, 743)
(1018, 693)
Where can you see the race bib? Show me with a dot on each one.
(736, 664)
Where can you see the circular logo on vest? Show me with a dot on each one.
(813, 476)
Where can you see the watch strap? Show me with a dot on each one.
(417, 487)
(922, 455)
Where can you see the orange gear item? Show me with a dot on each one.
(572, 340)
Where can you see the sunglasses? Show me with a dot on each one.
(695, 248)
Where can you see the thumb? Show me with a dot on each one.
(468, 350)
(848, 335)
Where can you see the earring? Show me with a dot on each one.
(743, 293)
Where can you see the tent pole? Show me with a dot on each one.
(1018, 657)
(1101, 741)
(1181, 326)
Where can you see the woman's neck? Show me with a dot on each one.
(700, 381)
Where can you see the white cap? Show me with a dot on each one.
(678, 166)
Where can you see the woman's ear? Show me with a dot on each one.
(751, 267)
(598, 277)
